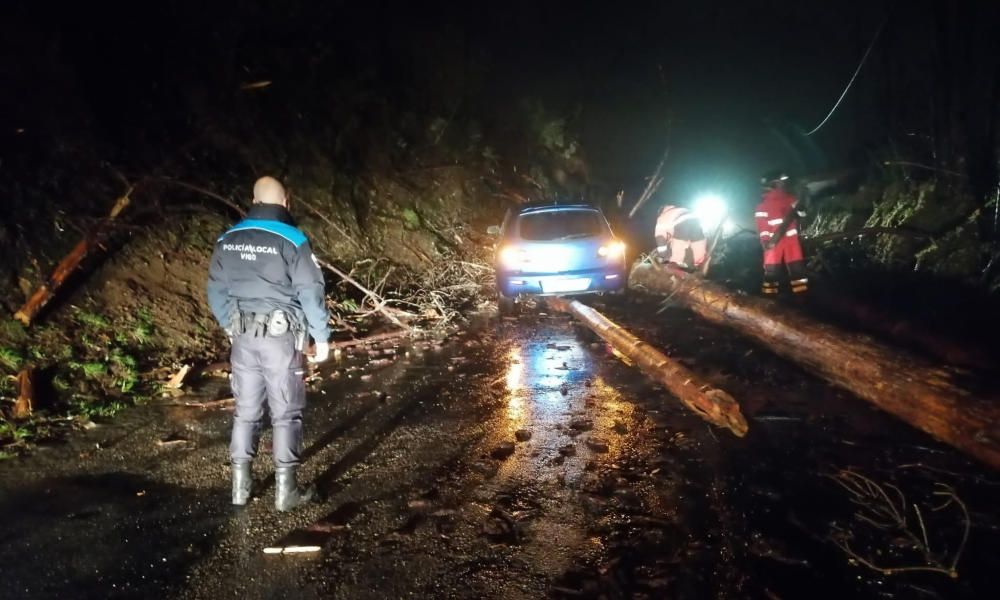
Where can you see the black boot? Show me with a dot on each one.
(287, 493)
(242, 481)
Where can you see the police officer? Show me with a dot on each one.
(266, 290)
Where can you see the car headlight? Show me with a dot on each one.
(511, 256)
(615, 249)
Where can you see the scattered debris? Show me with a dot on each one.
(292, 549)
(223, 403)
(255, 85)
(172, 441)
(522, 435)
(502, 451)
(883, 509)
(177, 381)
(418, 504)
(597, 445)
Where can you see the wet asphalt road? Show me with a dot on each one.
(513, 460)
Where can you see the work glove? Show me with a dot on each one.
(320, 353)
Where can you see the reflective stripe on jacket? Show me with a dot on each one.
(668, 220)
(774, 207)
(265, 263)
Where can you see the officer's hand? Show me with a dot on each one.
(321, 353)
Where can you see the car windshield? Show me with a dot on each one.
(560, 225)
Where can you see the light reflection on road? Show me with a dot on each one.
(552, 380)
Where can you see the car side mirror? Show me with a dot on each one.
(493, 230)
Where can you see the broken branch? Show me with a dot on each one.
(27, 313)
(25, 394)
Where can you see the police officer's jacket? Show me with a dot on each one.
(265, 263)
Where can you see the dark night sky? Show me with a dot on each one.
(734, 78)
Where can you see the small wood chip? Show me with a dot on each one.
(177, 380)
(291, 549)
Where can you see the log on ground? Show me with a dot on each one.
(713, 405)
(907, 386)
(24, 405)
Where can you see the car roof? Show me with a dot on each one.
(552, 206)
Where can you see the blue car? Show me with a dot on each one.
(556, 250)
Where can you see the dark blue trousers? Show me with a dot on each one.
(267, 369)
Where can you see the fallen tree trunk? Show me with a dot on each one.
(68, 265)
(904, 385)
(713, 405)
(937, 344)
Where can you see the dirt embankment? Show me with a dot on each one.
(395, 164)
(137, 310)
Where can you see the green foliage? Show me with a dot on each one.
(411, 220)
(93, 370)
(12, 331)
(88, 407)
(14, 432)
(143, 329)
(91, 320)
(126, 371)
(7, 387)
(11, 358)
(60, 384)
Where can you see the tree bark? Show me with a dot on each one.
(714, 405)
(904, 385)
(25, 395)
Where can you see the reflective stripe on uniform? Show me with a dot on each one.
(289, 232)
(671, 217)
(775, 221)
(760, 214)
(791, 232)
(766, 234)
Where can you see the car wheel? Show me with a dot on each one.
(506, 306)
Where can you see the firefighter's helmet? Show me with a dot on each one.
(774, 179)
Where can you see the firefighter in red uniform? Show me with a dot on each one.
(777, 219)
(679, 238)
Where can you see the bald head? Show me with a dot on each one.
(269, 190)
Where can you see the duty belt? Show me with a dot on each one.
(274, 324)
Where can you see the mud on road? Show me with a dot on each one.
(518, 459)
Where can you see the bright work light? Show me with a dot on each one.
(711, 210)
